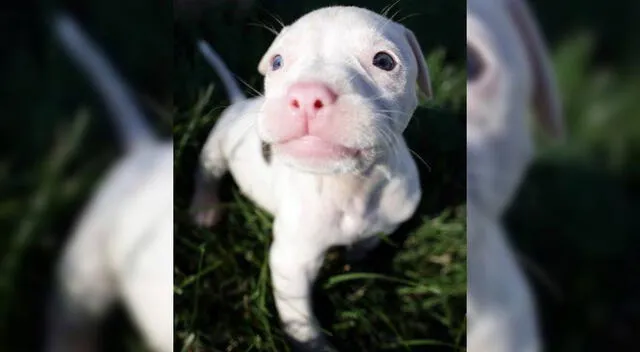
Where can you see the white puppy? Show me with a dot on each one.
(509, 69)
(322, 150)
(122, 247)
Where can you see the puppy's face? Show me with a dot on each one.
(340, 87)
(508, 73)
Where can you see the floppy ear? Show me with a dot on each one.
(546, 97)
(424, 81)
(263, 65)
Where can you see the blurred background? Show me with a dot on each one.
(409, 295)
(57, 142)
(575, 220)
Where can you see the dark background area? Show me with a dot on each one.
(614, 23)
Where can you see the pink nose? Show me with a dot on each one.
(309, 98)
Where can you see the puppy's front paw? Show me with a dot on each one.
(206, 209)
(318, 344)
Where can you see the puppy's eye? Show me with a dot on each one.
(475, 64)
(276, 62)
(384, 61)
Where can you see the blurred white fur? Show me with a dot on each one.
(509, 72)
(121, 247)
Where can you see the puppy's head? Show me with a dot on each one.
(509, 72)
(340, 87)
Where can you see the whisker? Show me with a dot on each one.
(262, 25)
(388, 139)
(395, 14)
(386, 9)
(395, 137)
(277, 19)
(407, 17)
(250, 87)
(420, 158)
(396, 144)
(378, 31)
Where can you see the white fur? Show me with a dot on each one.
(515, 73)
(332, 203)
(121, 248)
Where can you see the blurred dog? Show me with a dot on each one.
(322, 150)
(508, 69)
(122, 246)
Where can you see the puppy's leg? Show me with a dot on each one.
(83, 294)
(147, 284)
(205, 206)
(293, 271)
(226, 143)
(294, 262)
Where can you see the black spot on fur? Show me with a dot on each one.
(266, 152)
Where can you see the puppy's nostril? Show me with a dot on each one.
(318, 104)
(295, 103)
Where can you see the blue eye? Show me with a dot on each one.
(276, 62)
(384, 61)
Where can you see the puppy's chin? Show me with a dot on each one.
(321, 167)
(324, 164)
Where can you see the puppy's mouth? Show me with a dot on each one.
(313, 147)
